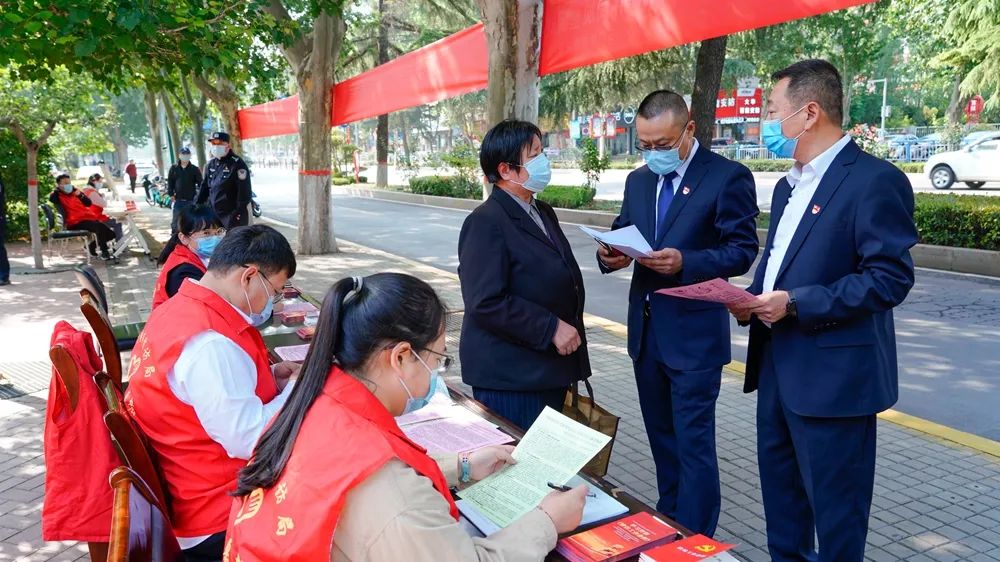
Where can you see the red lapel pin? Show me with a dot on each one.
(686, 190)
(816, 209)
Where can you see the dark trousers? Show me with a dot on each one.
(520, 408)
(179, 206)
(209, 550)
(816, 476)
(678, 409)
(4, 262)
(103, 232)
(131, 183)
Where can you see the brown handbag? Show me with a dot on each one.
(585, 410)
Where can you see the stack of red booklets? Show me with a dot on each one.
(697, 547)
(617, 540)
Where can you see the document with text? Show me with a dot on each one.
(716, 290)
(628, 240)
(553, 450)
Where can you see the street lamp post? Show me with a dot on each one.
(885, 83)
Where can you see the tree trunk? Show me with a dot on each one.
(513, 37)
(707, 79)
(404, 123)
(195, 111)
(121, 149)
(315, 81)
(382, 128)
(225, 97)
(845, 121)
(153, 118)
(31, 153)
(954, 113)
(172, 127)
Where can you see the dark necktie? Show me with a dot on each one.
(663, 202)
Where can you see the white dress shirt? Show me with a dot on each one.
(218, 379)
(681, 170)
(804, 181)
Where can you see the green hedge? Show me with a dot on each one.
(445, 186)
(567, 197)
(961, 221)
(910, 167)
(768, 165)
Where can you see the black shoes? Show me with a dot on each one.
(4, 282)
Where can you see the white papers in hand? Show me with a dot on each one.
(292, 352)
(628, 240)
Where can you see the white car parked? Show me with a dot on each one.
(975, 164)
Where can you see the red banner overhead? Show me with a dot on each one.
(578, 33)
(575, 33)
(279, 117)
(444, 69)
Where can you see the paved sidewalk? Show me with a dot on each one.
(934, 500)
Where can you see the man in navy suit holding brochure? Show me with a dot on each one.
(697, 211)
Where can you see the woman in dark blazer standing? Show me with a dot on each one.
(523, 342)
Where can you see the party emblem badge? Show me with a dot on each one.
(686, 190)
(816, 209)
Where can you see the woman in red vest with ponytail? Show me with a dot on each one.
(335, 478)
(187, 253)
(80, 213)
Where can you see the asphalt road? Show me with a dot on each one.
(947, 330)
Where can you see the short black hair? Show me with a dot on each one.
(256, 244)
(504, 143)
(191, 219)
(62, 177)
(663, 101)
(815, 80)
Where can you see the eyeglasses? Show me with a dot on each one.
(277, 295)
(643, 148)
(446, 360)
(209, 232)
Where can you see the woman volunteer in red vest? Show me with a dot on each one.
(79, 213)
(335, 478)
(93, 192)
(187, 253)
(200, 384)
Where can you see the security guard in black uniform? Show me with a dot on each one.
(226, 185)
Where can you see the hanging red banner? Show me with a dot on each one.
(738, 106)
(444, 69)
(279, 117)
(575, 33)
(579, 33)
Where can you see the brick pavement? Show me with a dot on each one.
(934, 500)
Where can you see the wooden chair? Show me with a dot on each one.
(69, 376)
(135, 453)
(106, 340)
(140, 529)
(124, 334)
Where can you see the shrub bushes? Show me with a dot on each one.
(964, 221)
(961, 221)
(910, 167)
(445, 186)
(14, 173)
(567, 197)
(780, 165)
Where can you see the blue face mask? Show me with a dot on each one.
(68, 188)
(414, 404)
(662, 162)
(539, 174)
(258, 318)
(206, 246)
(775, 140)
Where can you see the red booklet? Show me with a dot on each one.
(697, 547)
(616, 540)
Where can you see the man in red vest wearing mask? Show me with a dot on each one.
(200, 384)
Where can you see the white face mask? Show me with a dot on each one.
(185, 157)
(98, 184)
(219, 150)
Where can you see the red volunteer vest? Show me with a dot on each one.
(199, 473)
(76, 211)
(346, 436)
(96, 209)
(181, 255)
(79, 455)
